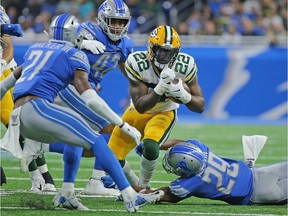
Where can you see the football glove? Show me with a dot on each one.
(139, 149)
(12, 29)
(96, 47)
(108, 182)
(132, 132)
(166, 77)
(178, 91)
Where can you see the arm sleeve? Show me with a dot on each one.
(6, 84)
(99, 106)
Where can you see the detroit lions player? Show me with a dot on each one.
(8, 64)
(151, 111)
(49, 67)
(206, 175)
(111, 30)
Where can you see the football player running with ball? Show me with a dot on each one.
(152, 75)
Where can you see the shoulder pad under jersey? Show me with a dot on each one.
(134, 63)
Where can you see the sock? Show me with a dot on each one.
(57, 147)
(71, 158)
(97, 174)
(147, 168)
(32, 166)
(127, 193)
(43, 169)
(109, 163)
(130, 174)
(35, 174)
(67, 189)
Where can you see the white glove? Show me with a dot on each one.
(3, 66)
(178, 91)
(132, 132)
(166, 77)
(94, 46)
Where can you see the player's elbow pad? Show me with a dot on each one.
(99, 106)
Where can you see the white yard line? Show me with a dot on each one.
(154, 212)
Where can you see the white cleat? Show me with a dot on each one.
(31, 150)
(68, 202)
(37, 184)
(96, 187)
(49, 187)
(139, 200)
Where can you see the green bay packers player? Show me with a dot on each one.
(151, 77)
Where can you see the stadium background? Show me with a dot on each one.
(240, 48)
(241, 52)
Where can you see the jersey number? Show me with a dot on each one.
(38, 59)
(179, 66)
(217, 169)
(142, 65)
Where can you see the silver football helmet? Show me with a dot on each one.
(65, 27)
(111, 11)
(4, 19)
(184, 159)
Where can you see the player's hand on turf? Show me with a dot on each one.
(94, 46)
(139, 149)
(178, 91)
(166, 77)
(132, 132)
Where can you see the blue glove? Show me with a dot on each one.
(12, 29)
(108, 182)
(139, 149)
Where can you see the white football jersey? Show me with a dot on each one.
(139, 68)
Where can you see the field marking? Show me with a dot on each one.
(153, 212)
(77, 180)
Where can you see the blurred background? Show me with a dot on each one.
(240, 48)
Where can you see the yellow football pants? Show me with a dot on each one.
(6, 104)
(156, 126)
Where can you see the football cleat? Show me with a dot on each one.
(68, 202)
(96, 187)
(139, 200)
(37, 184)
(49, 187)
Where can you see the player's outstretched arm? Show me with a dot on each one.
(10, 81)
(99, 106)
(167, 197)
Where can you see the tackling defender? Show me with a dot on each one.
(206, 175)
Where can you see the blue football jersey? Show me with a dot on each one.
(48, 68)
(221, 179)
(114, 53)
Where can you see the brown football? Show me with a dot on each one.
(186, 87)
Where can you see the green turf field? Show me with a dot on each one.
(224, 140)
